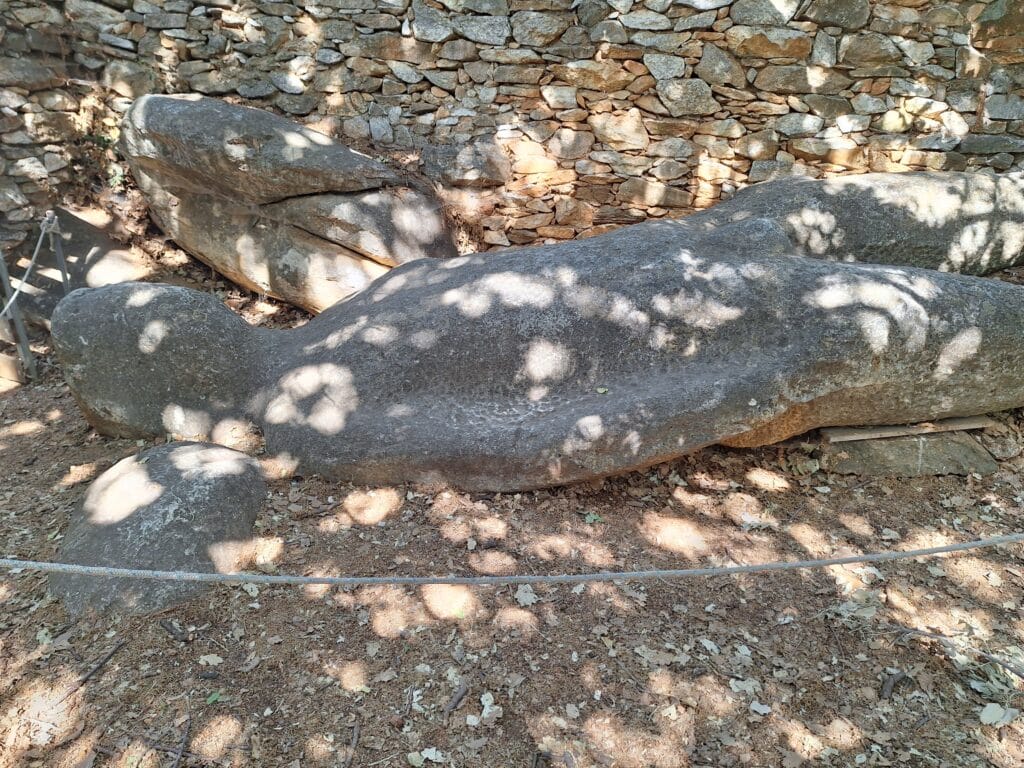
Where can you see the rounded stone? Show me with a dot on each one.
(177, 507)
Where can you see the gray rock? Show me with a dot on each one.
(27, 74)
(825, 52)
(567, 144)
(798, 124)
(849, 14)
(278, 208)
(609, 31)
(704, 5)
(622, 132)
(696, 21)
(487, 30)
(1002, 107)
(979, 144)
(560, 363)
(430, 25)
(286, 82)
(177, 507)
(771, 12)
(165, 20)
(129, 79)
(538, 28)
(664, 67)
(828, 106)
(868, 49)
(719, 68)
(799, 79)
(11, 197)
(908, 219)
(479, 164)
(592, 12)
(256, 89)
(643, 19)
(328, 56)
(687, 97)
(949, 453)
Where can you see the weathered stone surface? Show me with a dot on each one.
(569, 144)
(798, 79)
(799, 124)
(768, 42)
(908, 219)
(950, 453)
(771, 12)
(276, 207)
(1003, 107)
(981, 144)
(999, 31)
(620, 132)
(665, 67)
(594, 75)
(177, 507)
(868, 49)
(687, 97)
(560, 363)
(539, 28)
(129, 79)
(479, 164)
(24, 73)
(430, 25)
(850, 14)
(652, 193)
(719, 68)
(488, 30)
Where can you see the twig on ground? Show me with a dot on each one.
(353, 743)
(184, 737)
(383, 759)
(84, 678)
(951, 647)
(153, 746)
(456, 699)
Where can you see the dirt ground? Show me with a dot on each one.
(829, 667)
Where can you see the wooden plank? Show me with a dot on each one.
(848, 434)
(10, 369)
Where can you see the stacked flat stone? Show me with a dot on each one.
(610, 111)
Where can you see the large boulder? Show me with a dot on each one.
(176, 507)
(970, 223)
(274, 206)
(557, 363)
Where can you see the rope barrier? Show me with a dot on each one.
(48, 225)
(569, 578)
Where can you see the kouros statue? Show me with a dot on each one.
(559, 363)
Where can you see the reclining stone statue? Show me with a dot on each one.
(559, 363)
(276, 207)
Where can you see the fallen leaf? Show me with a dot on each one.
(998, 716)
(525, 595)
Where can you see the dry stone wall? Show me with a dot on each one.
(550, 119)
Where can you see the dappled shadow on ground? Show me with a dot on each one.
(785, 669)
